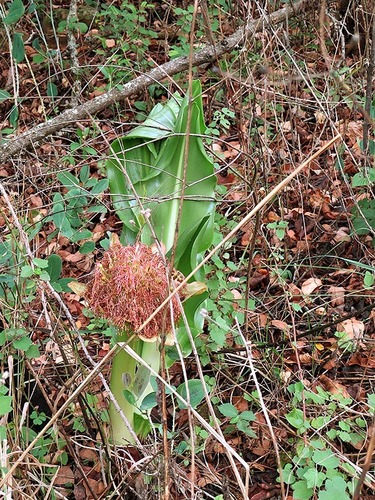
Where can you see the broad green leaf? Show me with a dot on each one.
(326, 458)
(196, 392)
(41, 263)
(54, 267)
(101, 186)
(18, 49)
(146, 173)
(295, 418)
(5, 405)
(228, 410)
(314, 478)
(16, 11)
(301, 491)
(335, 488)
(22, 344)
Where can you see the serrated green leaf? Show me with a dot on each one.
(22, 344)
(301, 491)
(26, 271)
(32, 352)
(326, 458)
(334, 488)
(314, 478)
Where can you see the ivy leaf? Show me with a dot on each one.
(335, 488)
(326, 458)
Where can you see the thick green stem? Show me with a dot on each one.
(122, 376)
(128, 375)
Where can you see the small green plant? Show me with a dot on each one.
(241, 420)
(316, 470)
(71, 212)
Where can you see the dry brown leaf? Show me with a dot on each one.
(280, 325)
(310, 285)
(332, 386)
(65, 475)
(353, 328)
(338, 295)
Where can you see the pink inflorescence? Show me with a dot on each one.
(129, 284)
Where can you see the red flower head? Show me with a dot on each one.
(129, 284)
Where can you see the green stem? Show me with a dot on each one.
(128, 375)
(122, 376)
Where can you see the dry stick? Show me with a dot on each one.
(366, 465)
(49, 424)
(370, 73)
(207, 55)
(263, 407)
(246, 219)
(173, 255)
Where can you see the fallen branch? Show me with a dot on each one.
(207, 55)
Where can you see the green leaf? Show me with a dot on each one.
(301, 491)
(335, 488)
(16, 11)
(228, 410)
(87, 247)
(54, 267)
(52, 90)
(4, 95)
(371, 403)
(18, 49)
(149, 402)
(326, 458)
(26, 271)
(41, 263)
(196, 392)
(5, 405)
(67, 179)
(22, 344)
(243, 426)
(13, 117)
(314, 478)
(295, 418)
(32, 352)
(368, 279)
(100, 186)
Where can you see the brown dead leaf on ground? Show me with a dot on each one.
(353, 328)
(333, 386)
(337, 294)
(310, 285)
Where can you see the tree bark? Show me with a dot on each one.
(208, 54)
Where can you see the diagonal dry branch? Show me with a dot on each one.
(208, 54)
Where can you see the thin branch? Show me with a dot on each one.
(207, 55)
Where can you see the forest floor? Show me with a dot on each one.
(296, 282)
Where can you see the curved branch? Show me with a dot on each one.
(207, 54)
